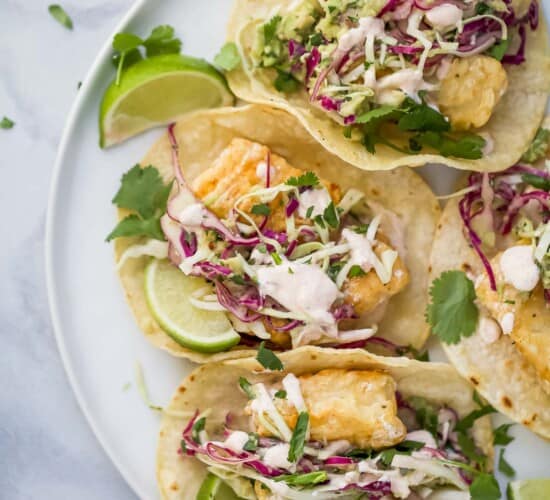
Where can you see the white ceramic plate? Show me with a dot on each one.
(97, 336)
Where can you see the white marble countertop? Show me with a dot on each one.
(47, 448)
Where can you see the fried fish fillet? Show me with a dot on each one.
(356, 406)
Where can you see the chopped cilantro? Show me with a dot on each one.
(59, 14)
(198, 426)
(426, 414)
(499, 49)
(469, 146)
(331, 216)
(276, 258)
(347, 131)
(501, 436)
(228, 57)
(318, 219)
(334, 269)
(162, 41)
(267, 358)
(504, 466)
(252, 443)
(356, 271)
(482, 8)
(404, 448)
(361, 229)
(298, 439)
(309, 212)
(375, 114)
(422, 118)
(307, 479)
(467, 422)
(452, 312)
(141, 190)
(247, 388)
(280, 394)
(538, 147)
(469, 449)
(285, 82)
(484, 487)
(261, 209)
(536, 181)
(316, 39)
(308, 179)
(6, 123)
(270, 29)
(238, 279)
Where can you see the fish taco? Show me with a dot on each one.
(384, 84)
(491, 265)
(327, 425)
(266, 237)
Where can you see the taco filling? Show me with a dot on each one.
(288, 256)
(406, 74)
(337, 433)
(506, 218)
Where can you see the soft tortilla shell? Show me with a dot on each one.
(512, 125)
(499, 371)
(215, 387)
(202, 136)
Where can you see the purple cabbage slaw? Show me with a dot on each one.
(492, 193)
(447, 449)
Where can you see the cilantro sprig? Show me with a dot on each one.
(452, 312)
(268, 359)
(142, 191)
(484, 487)
(127, 47)
(308, 179)
(228, 58)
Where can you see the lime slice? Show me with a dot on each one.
(213, 488)
(167, 290)
(156, 91)
(529, 489)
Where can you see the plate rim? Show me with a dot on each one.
(51, 211)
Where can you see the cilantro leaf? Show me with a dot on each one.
(404, 448)
(422, 118)
(504, 466)
(59, 14)
(469, 449)
(482, 8)
(252, 443)
(142, 190)
(124, 42)
(452, 312)
(467, 422)
(501, 436)
(536, 181)
(285, 82)
(162, 41)
(330, 216)
(308, 179)
(308, 479)
(538, 147)
(246, 386)
(298, 439)
(280, 394)
(356, 271)
(228, 57)
(469, 146)
(485, 487)
(376, 113)
(270, 29)
(261, 209)
(6, 123)
(198, 426)
(426, 414)
(267, 358)
(133, 225)
(499, 49)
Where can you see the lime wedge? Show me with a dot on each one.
(213, 488)
(168, 290)
(156, 91)
(529, 489)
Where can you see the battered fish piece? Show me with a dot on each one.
(471, 90)
(242, 167)
(357, 406)
(526, 314)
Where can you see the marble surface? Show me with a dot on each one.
(47, 449)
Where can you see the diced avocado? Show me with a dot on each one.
(300, 20)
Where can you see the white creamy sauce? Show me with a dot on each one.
(261, 171)
(277, 456)
(319, 199)
(236, 441)
(192, 215)
(334, 448)
(519, 268)
(443, 68)
(407, 80)
(294, 392)
(507, 323)
(301, 288)
(368, 26)
(260, 257)
(361, 249)
(444, 16)
(489, 330)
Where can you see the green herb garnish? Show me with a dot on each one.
(267, 358)
(298, 439)
(280, 394)
(501, 436)
(228, 57)
(252, 443)
(484, 487)
(261, 209)
(6, 123)
(504, 466)
(308, 179)
(247, 388)
(538, 147)
(356, 271)
(307, 479)
(331, 216)
(59, 14)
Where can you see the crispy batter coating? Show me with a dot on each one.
(471, 90)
